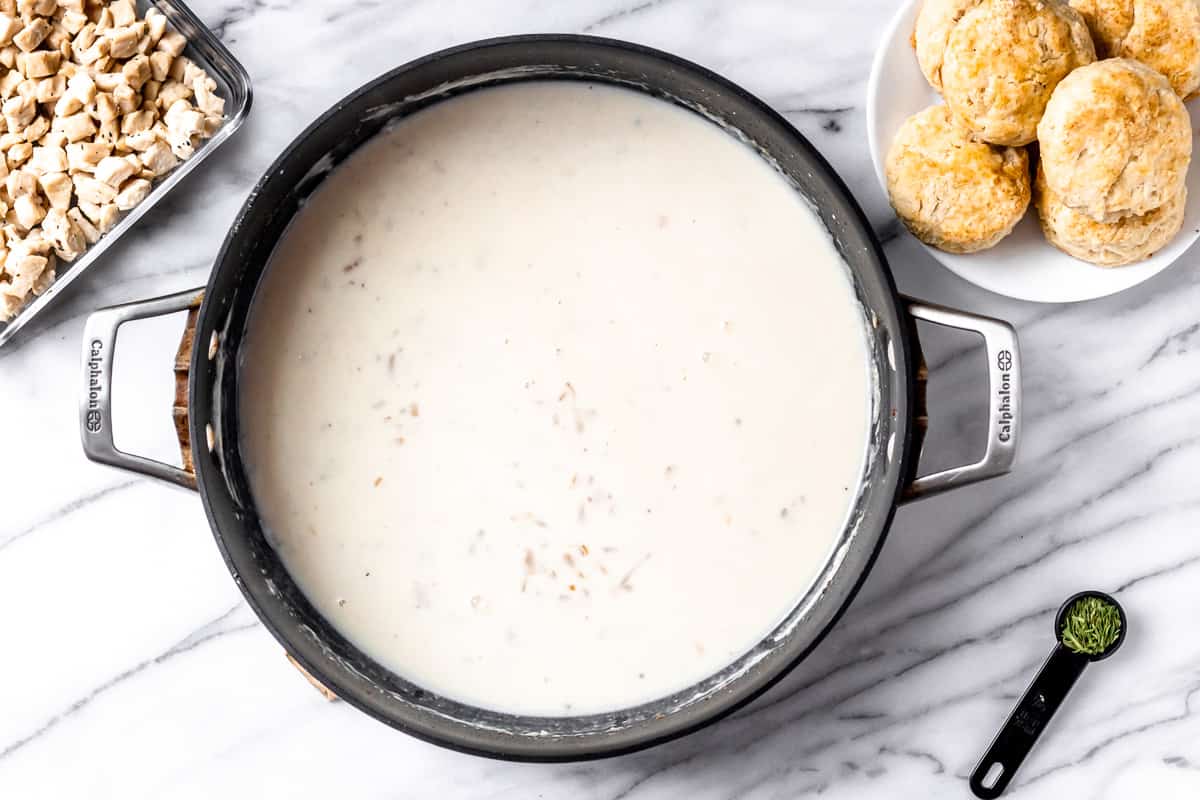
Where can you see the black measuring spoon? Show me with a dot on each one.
(1035, 708)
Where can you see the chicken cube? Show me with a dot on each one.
(36, 129)
(132, 193)
(84, 156)
(67, 105)
(47, 159)
(24, 269)
(93, 54)
(104, 19)
(123, 12)
(127, 99)
(9, 26)
(108, 81)
(18, 112)
(206, 96)
(84, 224)
(85, 38)
(172, 42)
(29, 37)
(158, 158)
(160, 65)
(123, 42)
(19, 153)
(41, 63)
(77, 126)
(90, 190)
(115, 170)
(19, 182)
(64, 235)
(73, 22)
(183, 120)
(137, 122)
(156, 24)
(9, 83)
(58, 189)
(30, 210)
(136, 71)
(82, 86)
(142, 140)
(51, 89)
(54, 139)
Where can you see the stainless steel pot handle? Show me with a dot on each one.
(1004, 400)
(95, 403)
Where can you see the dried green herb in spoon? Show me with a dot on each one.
(1091, 626)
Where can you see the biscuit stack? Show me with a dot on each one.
(1114, 137)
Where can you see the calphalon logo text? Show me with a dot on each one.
(94, 362)
(1004, 361)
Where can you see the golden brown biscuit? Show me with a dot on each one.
(1115, 140)
(935, 21)
(1003, 59)
(1162, 34)
(952, 192)
(1107, 244)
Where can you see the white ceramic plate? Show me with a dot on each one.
(1024, 265)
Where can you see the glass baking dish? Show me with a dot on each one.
(233, 84)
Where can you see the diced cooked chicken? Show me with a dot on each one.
(77, 126)
(32, 34)
(108, 81)
(90, 190)
(30, 210)
(158, 158)
(64, 235)
(90, 233)
(73, 21)
(20, 183)
(18, 112)
(58, 189)
(142, 140)
(132, 193)
(160, 65)
(183, 120)
(47, 159)
(19, 153)
(114, 171)
(172, 42)
(123, 42)
(23, 268)
(127, 99)
(96, 105)
(84, 156)
(136, 71)
(42, 63)
(106, 107)
(9, 83)
(207, 99)
(171, 92)
(9, 26)
(51, 89)
(36, 129)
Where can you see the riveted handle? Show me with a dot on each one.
(95, 403)
(1004, 392)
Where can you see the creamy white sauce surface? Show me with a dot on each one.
(555, 398)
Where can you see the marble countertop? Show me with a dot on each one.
(130, 667)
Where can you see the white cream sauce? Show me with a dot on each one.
(555, 398)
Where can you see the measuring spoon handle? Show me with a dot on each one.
(1026, 722)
